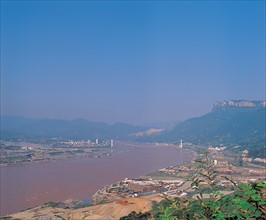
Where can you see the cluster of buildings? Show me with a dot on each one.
(137, 188)
(216, 149)
(244, 154)
(12, 152)
(245, 172)
(176, 169)
(247, 159)
(260, 160)
(173, 181)
(88, 143)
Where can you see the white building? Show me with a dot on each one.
(112, 143)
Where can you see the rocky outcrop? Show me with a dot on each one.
(240, 103)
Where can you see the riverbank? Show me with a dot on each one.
(140, 194)
(114, 205)
(31, 185)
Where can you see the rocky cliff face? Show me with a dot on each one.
(240, 103)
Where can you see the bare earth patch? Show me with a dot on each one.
(107, 211)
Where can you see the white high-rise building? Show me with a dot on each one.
(96, 141)
(112, 143)
(181, 144)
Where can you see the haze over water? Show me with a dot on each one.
(31, 185)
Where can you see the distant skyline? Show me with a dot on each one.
(136, 62)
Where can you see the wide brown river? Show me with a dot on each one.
(30, 185)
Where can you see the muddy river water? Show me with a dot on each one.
(30, 185)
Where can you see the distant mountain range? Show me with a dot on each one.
(16, 127)
(229, 122)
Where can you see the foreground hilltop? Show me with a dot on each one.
(107, 211)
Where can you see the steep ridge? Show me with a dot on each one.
(229, 122)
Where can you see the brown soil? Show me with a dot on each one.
(108, 211)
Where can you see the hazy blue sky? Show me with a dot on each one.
(131, 61)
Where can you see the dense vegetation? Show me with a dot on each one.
(247, 201)
(223, 125)
(228, 126)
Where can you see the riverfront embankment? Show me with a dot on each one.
(31, 185)
(140, 194)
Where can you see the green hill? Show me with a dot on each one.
(222, 125)
(226, 125)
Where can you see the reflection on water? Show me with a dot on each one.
(34, 184)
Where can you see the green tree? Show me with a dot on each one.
(247, 202)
